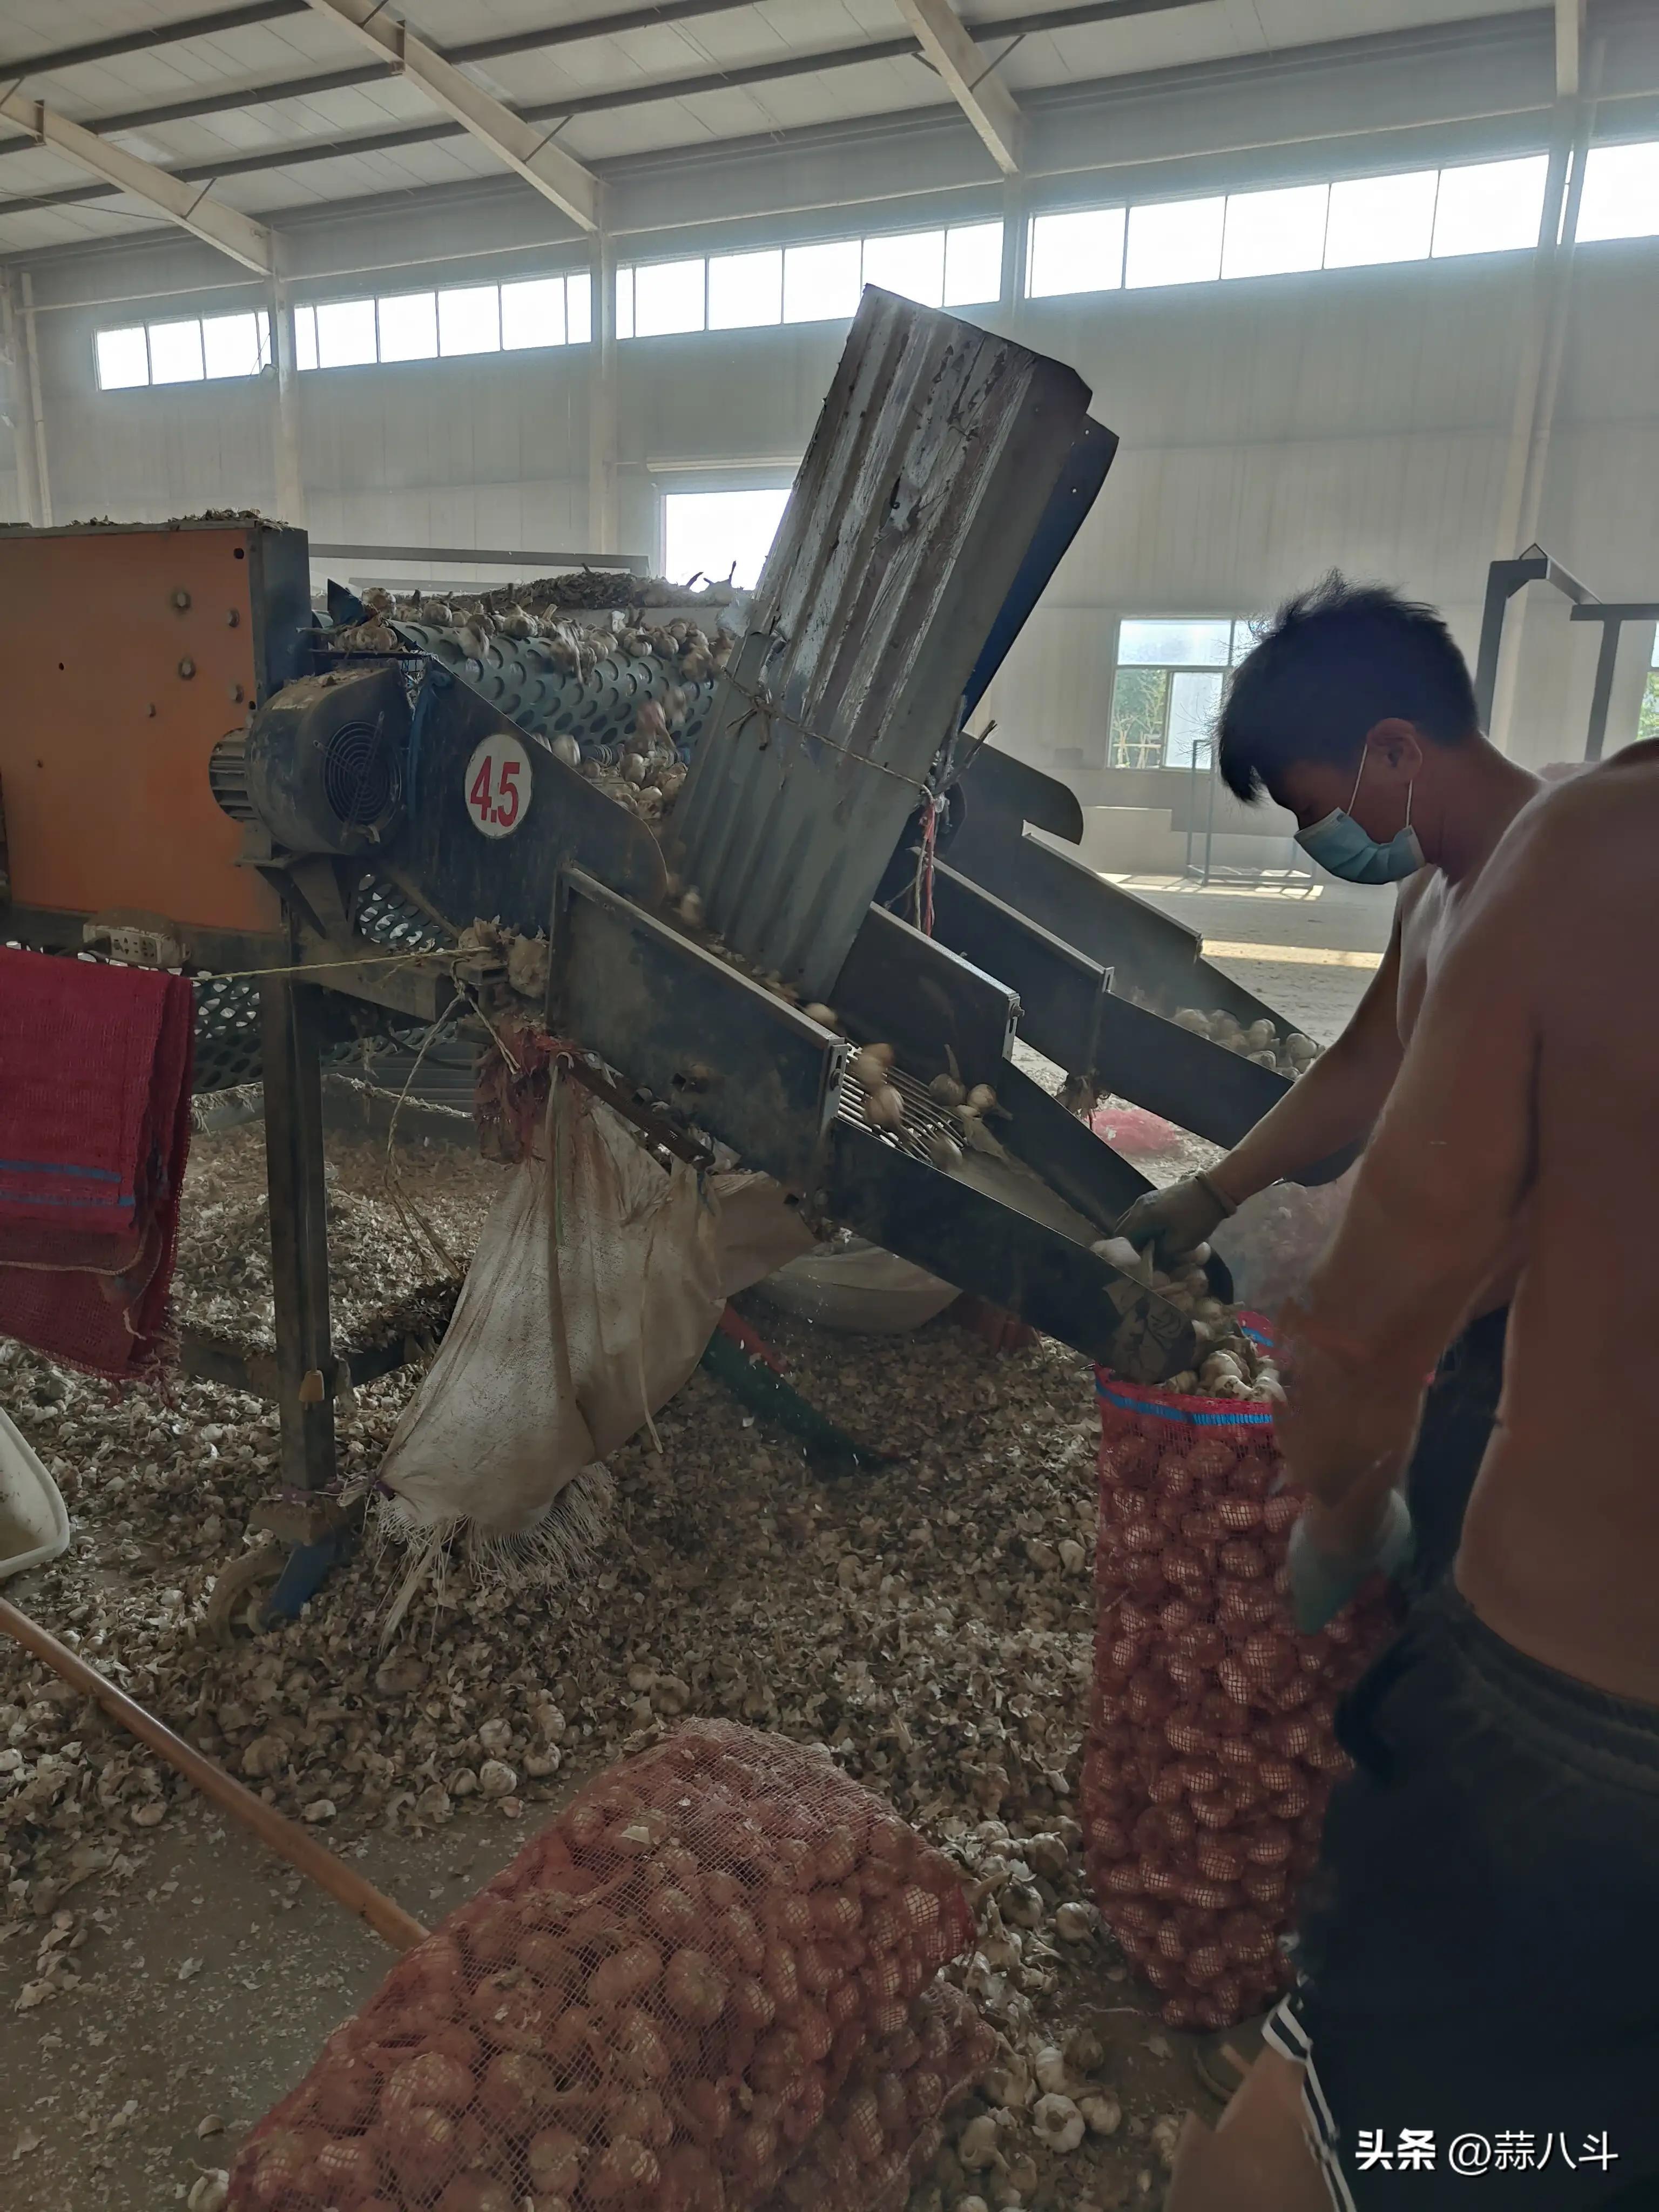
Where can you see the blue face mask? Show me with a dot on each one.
(1339, 844)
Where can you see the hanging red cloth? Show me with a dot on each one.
(94, 1129)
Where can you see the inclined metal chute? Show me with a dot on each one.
(932, 463)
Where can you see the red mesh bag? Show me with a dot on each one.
(1211, 1748)
(650, 2010)
(883, 2128)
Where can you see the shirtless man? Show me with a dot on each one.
(1482, 1957)
(1355, 711)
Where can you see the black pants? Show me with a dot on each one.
(1458, 1414)
(1479, 1946)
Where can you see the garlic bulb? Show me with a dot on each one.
(690, 907)
(1046, 1855)
(884, 1108)
(1118, 1252)
(1102, 2114)
(982, 1098)
(947, 1088)
(944, 1151)
(1007, 2081)
(564, 748)
(1021, 1904)
(977, 2146)
(1058, 2123)
(1050, 2066)
(1075, 1921)
(869, 1072)
(819, 1013)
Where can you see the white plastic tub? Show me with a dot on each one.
(856, 1286)
(33, 1526)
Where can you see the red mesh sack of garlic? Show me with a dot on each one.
(1211, 1747)
(651, 2010)
(884, 2130)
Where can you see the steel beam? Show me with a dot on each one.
(210, 219)
(639, 93)
(969, 75)
(528, 151)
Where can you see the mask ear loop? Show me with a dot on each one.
(1358, 780)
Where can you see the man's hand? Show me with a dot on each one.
(1329, 1557)
(1175, 1220)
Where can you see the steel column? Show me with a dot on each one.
(289, 1024)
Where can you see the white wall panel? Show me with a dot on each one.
(1271, 430)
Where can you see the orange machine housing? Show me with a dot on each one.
(128, 651)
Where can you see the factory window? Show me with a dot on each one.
(193, 351)
(1377, 219)
(1081, 252)
(407, 325)
(973, 264)
(957, 267)
(1492, 207)
(746, 289)
(345, 335)
(1275, 234)
(667, 297)
(472, 319)
(822, 282)
(1174, 242)
(721, 534)
(1167, 691)
(1647, 725)
(1621, 193)
(912, 265)
(1482, 207)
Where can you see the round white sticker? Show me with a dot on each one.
(498, 786)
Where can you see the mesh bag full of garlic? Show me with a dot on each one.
(884, 2130)
(652, 2008)
(1211, 1747)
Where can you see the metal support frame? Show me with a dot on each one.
(1504, 578)
(522, 147)
(1612, 615)
(207, 219)
(290, 1015)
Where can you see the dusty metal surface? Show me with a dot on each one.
(929, 471)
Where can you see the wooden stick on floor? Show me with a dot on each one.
(284, 1836)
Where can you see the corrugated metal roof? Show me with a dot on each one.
(241, 60)
(936, 450)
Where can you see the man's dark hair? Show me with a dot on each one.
(1333, 663)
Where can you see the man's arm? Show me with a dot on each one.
(1432, 1206)
(1332, 1105)
(1335, 1103)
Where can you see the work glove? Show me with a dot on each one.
(1175, 1220)
(1321, 1583)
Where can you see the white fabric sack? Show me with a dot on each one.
(594, 1290)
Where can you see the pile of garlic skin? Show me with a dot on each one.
(1231, 1364)
(1291, 1054)
(934, 1623)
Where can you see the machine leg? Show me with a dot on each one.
(298, 1241)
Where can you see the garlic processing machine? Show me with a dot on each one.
(198, 771)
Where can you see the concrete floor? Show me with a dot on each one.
(209, 1976)
(1311, 952)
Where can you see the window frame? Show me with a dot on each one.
(1239, 637)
